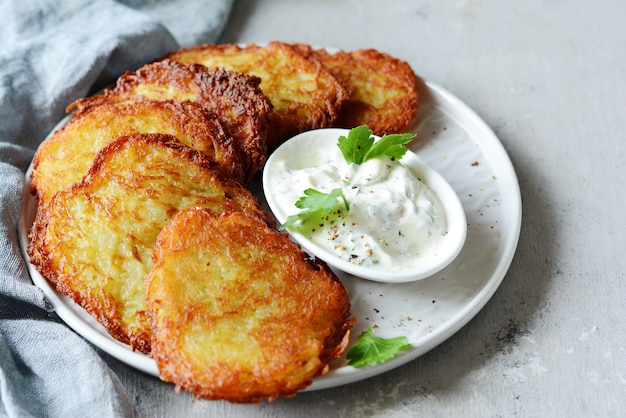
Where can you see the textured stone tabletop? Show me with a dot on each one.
(549, 77)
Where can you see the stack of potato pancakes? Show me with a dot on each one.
(144, 218)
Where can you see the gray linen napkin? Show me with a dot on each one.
(51, 53)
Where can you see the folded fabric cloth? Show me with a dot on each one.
(53, 53)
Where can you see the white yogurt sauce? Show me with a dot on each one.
(394, 220)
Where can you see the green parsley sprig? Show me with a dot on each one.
(316, 203)
(372, 350)
(359, 146)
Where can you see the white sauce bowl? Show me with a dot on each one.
(307, 149)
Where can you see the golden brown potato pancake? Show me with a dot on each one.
(383, 89)
(94, 240)
(235, 99)
(239, 312)
(303, 93)
(65, 157)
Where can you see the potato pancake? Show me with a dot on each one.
(239, 312)
(94, 240)
(66, 156)
(235, 99)
(303, 93)
(383, 89)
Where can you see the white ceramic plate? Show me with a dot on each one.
(458, 144)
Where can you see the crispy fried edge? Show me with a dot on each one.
(343, 65)
(190, 118)
(334, 344)
(207, 82)
(286, 122)
(42, 261)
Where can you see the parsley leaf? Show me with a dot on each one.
(371, 350)
(316, 203)
(390, 146)
(356, 145)
(359, 145)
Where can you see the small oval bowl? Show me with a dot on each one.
(312, 144)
